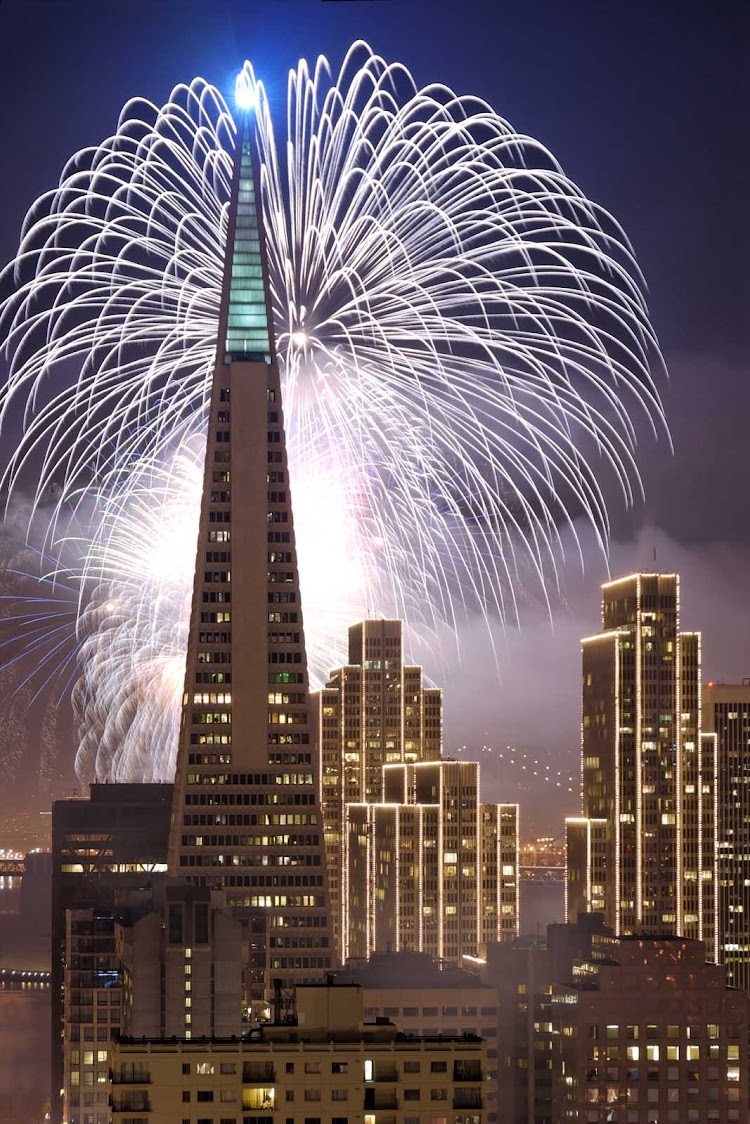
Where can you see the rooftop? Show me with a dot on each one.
(408, 970)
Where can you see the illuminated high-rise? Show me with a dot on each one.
(415, 860)
(246, 811)
(644, 851)
(726, 712)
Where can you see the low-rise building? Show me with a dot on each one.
(632, 1030)
(522, 974)
(652, 1034)
(428, 997)
(323, 1065)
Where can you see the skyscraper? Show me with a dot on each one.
(726, 712)
(246, 811)
(645, 848)
(416, 862)
(113, 842)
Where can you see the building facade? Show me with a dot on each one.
(627, 1030)
(726, 713)
(322, 1064)
(244, 814)
(114, 841)
(92, 1013)
(428, 998)
(522, 973)
(649, 771)
(246, 810)
(415, 860)
(651, 1033)
(181, 954)
(373, 712)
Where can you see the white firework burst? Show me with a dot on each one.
(463, 338)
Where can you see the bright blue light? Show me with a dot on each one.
(244, 92)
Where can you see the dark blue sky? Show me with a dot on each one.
(646, 105)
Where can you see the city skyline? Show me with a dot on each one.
(507, 721)
(208, 937)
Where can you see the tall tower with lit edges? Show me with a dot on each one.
(246, 812)
(415, 860)
(726, 712)
(644, 852)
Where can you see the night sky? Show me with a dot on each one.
(646, 107)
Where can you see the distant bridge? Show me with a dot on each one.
(24, 976)
(15, 865)
(12, 868)
(543, 874)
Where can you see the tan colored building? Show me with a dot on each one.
(726, 713)
(325, 1065)
(415, 861)
(649, 771)
(427, 997)
(246, 812)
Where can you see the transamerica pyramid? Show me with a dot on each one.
(246, 811)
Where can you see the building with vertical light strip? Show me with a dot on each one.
(246, 812)
(644, 850)
(726, 713)
(416, 862)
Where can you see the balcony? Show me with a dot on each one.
(469, 1069)
(261, 1099)
(376, 1099)
(467, 1098)
(131, 1102)
(385, 1072)
(258, 1073)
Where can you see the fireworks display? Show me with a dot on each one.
(464, 346)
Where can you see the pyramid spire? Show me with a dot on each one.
(246, 811)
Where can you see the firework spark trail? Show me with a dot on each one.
(462, 334)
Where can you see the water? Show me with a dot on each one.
(24, 1054)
